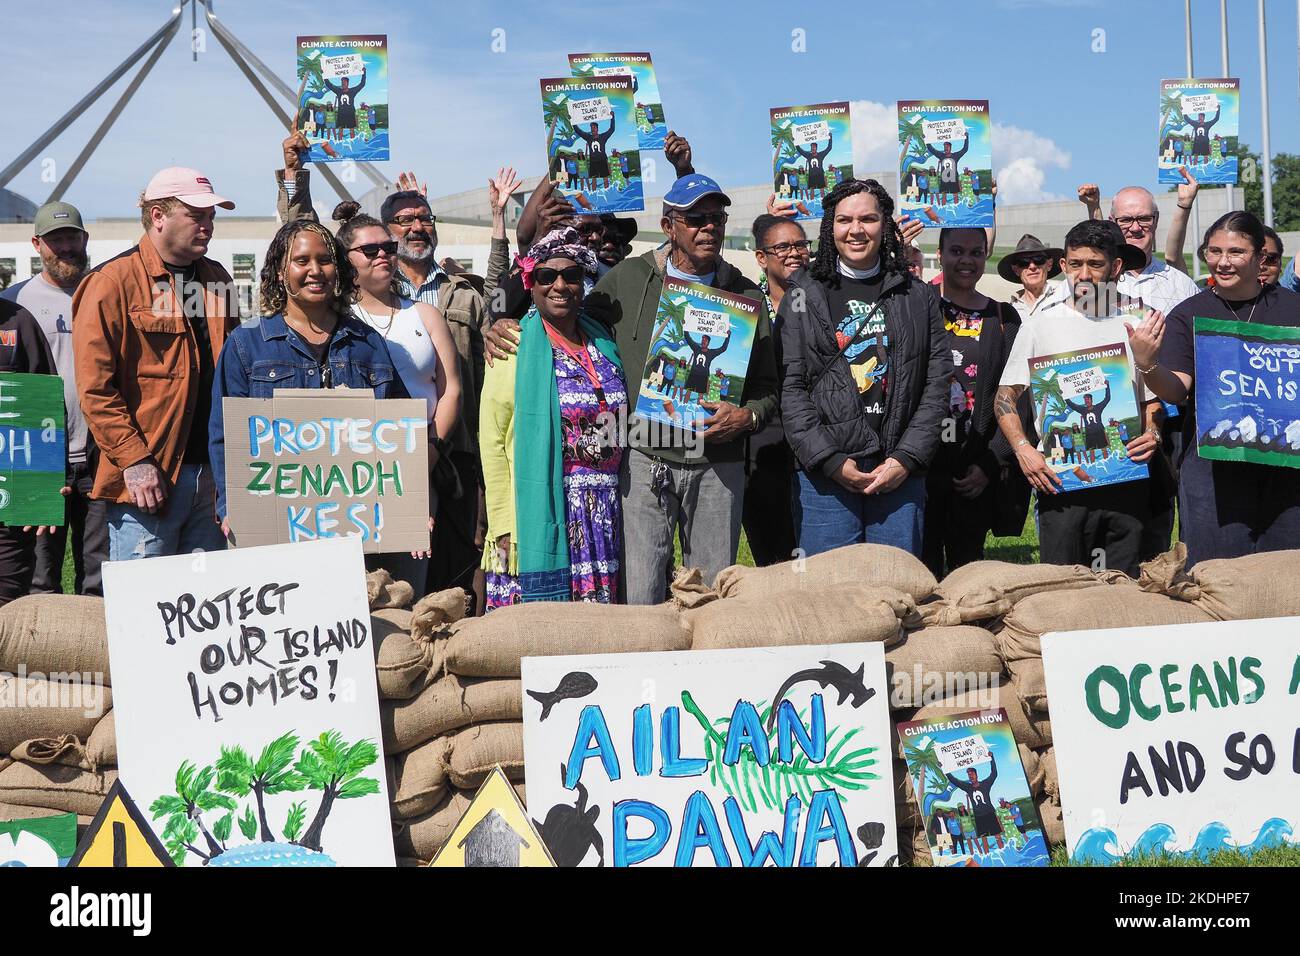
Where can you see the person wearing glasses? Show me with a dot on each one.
(1032, 265)
(551, 472)
(1228, 508)
(1270, 260)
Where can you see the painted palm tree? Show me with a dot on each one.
(334, 767)
(270, 774)
(194, 796)
(912, 140)
(559, 129)
(782, 149)
(1171, 112)
(920, 765)
(670, 331)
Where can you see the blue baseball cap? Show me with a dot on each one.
(689, 190)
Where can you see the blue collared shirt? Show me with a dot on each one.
(265, 354)
(427, 291)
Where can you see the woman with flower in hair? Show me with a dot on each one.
(548, 442)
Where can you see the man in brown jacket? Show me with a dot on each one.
(148, 327)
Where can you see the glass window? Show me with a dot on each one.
(243, 265)
(37, 265)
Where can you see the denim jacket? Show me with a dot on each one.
(265, 354)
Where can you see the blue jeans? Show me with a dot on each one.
(827, 515)
(186, 523)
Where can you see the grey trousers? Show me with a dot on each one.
(701, 502)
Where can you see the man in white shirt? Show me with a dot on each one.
(60, 240)
(1095, 526)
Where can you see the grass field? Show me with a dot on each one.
(1277, 856)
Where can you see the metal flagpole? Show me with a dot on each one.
(1227, 71)
(1263, 116)
(72, 115)
(1196, 205)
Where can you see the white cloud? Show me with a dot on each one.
(875, 138)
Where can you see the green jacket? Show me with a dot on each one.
(627, 300)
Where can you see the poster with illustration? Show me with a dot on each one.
(246, 705)
(32, 448)
(1246, 392)
(812, 153)
(699, 352)
(1177, 740)
(343, 97)
(1086, 412)
(651, 128)
(945, 162)
(1198, 130)
(776, 756)
(972, 791)
(39, 842)
(592, 148)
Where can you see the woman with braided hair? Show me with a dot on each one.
(866, 366)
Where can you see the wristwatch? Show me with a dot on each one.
(753, 420)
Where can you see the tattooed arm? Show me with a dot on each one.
(1030, 459)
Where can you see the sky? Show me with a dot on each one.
(1069, 104)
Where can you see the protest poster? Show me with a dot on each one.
(592, 148)
(1086, 411)
(778, 756)
(699, 352)
(343, 97)
(1198, 130)
(246, 705)
(651, 128)
(120, 836)
(972, 790)
(812, 153)
(494, 831)
(320, 463)
(32, 449)
(38, 842)
(1246, 392)
(1178, 739)
(945, 162)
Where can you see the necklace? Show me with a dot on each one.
(1258, 295)
(374, 322)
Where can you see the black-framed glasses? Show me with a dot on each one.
(785, 248)
(1146, 222)
(698, 220)
(428, 219)
(545, 275)
(372, 249)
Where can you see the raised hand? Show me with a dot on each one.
(501, 188)
(406, 182)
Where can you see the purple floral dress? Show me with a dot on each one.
(593, 509)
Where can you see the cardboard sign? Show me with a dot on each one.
(592, 146)
(494, 831)
(343, 97)
(324, 463)
(590, 111)
(1246, 392)
(774, 756)
(32, 449)
(1198, 131)
(246, 705)
(699, 352)
(38, 842)
(945, 163)
(1177, 739)
(972, 792)
(812, 153)
(1086, 411)
(648, 110)
(120, 836)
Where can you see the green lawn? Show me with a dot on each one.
(1275, 856)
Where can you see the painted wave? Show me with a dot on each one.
(1100, 846)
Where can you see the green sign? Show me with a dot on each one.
(33, 451)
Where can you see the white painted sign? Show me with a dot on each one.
(943, 131)
(679, 759)
(618, 69)
(957, 755)
(593, 110)
(1177, 739)
(805, 134)
(337, 67)
(1083, 382)
(247, 711)
(1207, 103)
(706, 322)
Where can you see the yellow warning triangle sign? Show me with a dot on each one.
(120, 836)
(494, 831)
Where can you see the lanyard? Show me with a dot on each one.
(581, 356)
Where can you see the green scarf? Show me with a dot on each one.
(541, 527)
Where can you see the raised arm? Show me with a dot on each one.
(1177, 234)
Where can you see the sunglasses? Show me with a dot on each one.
(1039, 261)
(545, 275)
(372, 249)
(1271, 258)
(698, 220)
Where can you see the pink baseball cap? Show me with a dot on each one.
(188, 185)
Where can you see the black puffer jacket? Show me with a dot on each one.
(820, 405)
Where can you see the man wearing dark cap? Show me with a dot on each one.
(1032, 265)
(60, 240)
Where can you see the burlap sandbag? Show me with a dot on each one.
(52, 633)
(424, 836)
(446, 705)
(838, 614)
(1033, 769)
(433, 612)
(476, 750)
(492, 645)
(9, 811)
(1051, 780)
(906, 810)
(101, 748)
(32, 708)
(925, 656)
(1086, 610)
(1049, 812)
(1030, 683)
(1032, 730)
(382, 591)
(419, 780)
(867, 565)
(920, 849)
(67, 750)
(1253, 587)
(55, 787)
(688, 589)
(403, 663)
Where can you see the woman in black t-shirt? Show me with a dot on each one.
(1226, 509)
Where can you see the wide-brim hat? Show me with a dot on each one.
(1134, 259)
(1028, 247)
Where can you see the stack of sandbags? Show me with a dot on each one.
(930, 660)
(57, 750)
(986, 591)
(1229, 589)
(864, 565)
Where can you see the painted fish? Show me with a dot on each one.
(572, 685)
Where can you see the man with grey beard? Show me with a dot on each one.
(60, 239)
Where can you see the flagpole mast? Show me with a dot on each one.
(1196, 206)
(1263, 116)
